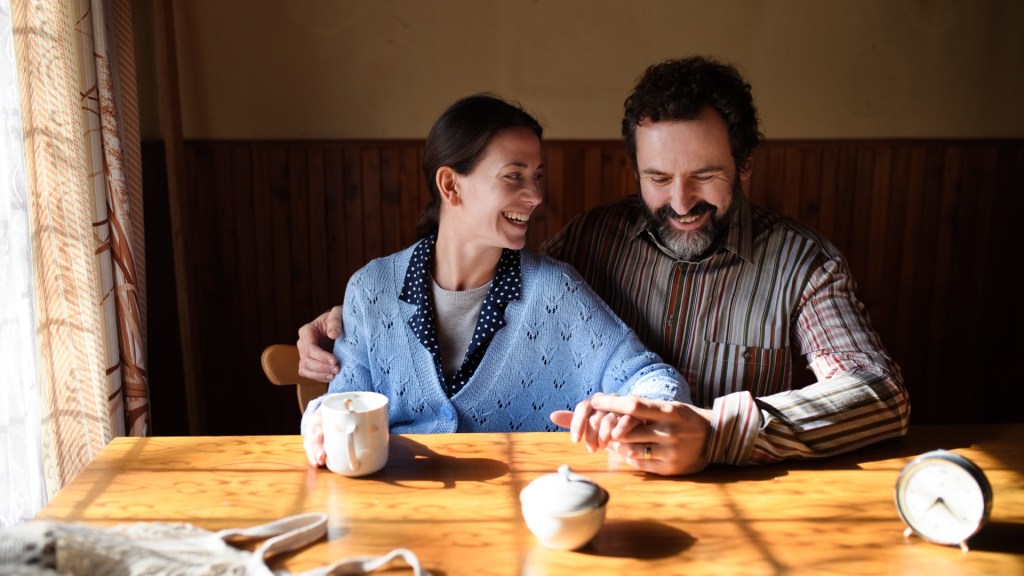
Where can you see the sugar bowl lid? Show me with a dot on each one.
(563, 493)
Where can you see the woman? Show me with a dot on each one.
(465, 330)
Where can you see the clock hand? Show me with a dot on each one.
(941, 502)
(937, 502)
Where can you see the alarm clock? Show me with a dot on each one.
(943, 497)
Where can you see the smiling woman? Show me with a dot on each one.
(439, 327)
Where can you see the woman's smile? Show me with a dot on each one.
(518, 218)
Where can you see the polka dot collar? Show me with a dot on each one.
(505, 287)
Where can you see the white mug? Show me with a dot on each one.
(356, 432)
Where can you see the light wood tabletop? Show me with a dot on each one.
(453, 499)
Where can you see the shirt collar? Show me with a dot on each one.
(505, 287)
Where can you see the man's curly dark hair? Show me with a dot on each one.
(679, 89)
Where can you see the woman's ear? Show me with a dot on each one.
(447, 183)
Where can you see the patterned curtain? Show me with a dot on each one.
(76, 74)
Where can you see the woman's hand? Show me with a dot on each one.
(313, 441)
(588, 425)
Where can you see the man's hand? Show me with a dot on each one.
(316, 343)
(676, 433)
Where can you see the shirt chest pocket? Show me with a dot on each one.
(728, 368)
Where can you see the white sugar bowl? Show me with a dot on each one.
(564, 510)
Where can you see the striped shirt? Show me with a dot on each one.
(733, 322)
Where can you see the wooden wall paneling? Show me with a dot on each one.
(421, 186)
(593, 176)
(355, 253)
(412, 186)
(316, 231)
(165, 362)
(876, 238)
(890, 252)
(242, 297)
(373, 217)
(860, 215)
(921, 368)
(843, 219)
(758, 185)
(979, 191)
(777, 185)
(630, 184)
(1002, 310)
(280, 254)
(337, 232)
(969, 277)
(791, 197)
(203, 230)
(280, 223)
(608, 185)
(911, 247)
(827, 183)
(221, 282)
(808, 187)
(805, 187)
(536, 232)
(956, 263)
(895, 219)
(391, 199)
(263, 244)
(613, 172)
(575, 181)
(551, 215)
(925, 226)
(297, 208)
(846, 197)
(938, 329)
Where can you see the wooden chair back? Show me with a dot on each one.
(281, 365)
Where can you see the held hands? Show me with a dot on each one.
(676, 433)
(315, 344)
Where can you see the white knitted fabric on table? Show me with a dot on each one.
(178, 549)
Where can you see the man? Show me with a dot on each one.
(721, 289)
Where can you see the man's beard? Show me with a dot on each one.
(693, 244)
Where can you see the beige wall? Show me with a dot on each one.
(253, 69)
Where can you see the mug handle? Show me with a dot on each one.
(350, 438)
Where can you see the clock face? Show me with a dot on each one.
(943, 497)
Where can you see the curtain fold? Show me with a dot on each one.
(77, 82)
(21, 478)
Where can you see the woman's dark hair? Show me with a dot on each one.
(458, 139)
(680, 89)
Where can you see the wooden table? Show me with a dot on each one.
(454, 500)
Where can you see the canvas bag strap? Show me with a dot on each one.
(301, 530)
(366, 564)
(285, 534)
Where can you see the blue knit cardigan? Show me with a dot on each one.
(560, 345)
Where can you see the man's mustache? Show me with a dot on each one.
(666, 211)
